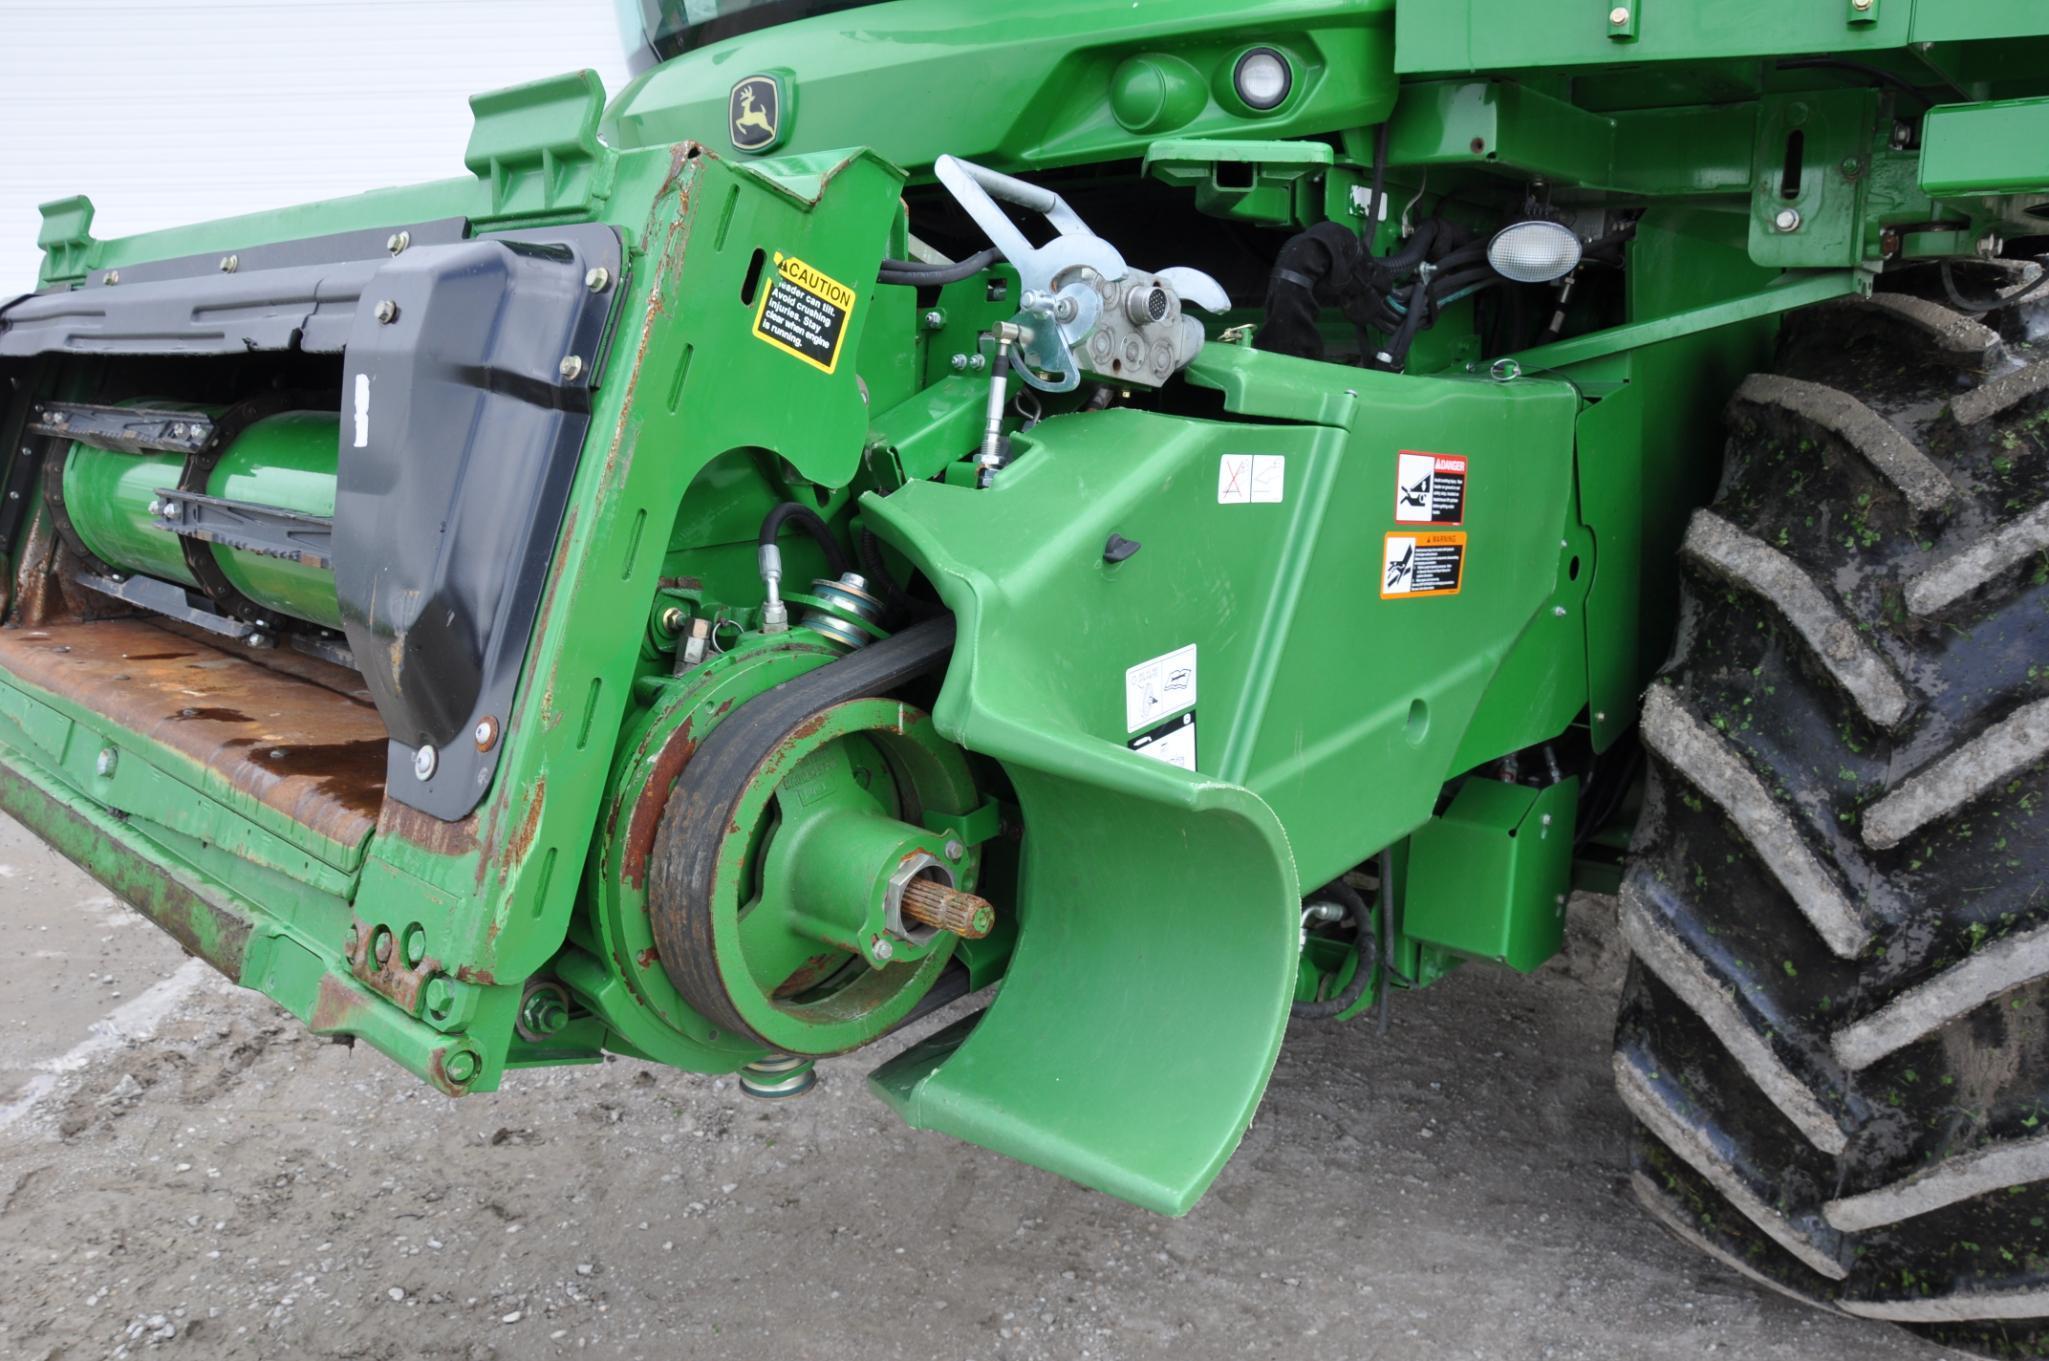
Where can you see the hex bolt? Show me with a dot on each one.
(935, 320)
(416, 945)
(485, 734)
(672, 620)
(386, 311)
(156, 505)
(959, 363)
(424, 762)
(1860, 5)
(1558, 610)
(171, 510)
(398, 241)
(112, 276)
(571, 368)
(439, 997)
(544, 1012)
(1788, 220)
(1619, 15)
(882, 950)
(460, 1066)
(109, 758)
(597, 278)
(230, 263)
(954, 850)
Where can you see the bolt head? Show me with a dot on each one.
(959, 363)
(156, 505)
(425, 761)
(883, 950)
(398, 241)
(386, 311)
(109, 758)
(1619, 15)
(460, 1066)
(1788, 220)
(954, 850)
(112, 276)
(230, 263)
(934, 319)
(672, 620)
(485, 733)
(439, 996)
(171, 510)
(1860, 5)
(383, 947)
(571, 367)
(597, 279)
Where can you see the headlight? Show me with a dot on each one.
(1535, 252)
(1263, 79)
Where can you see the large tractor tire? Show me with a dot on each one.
(1835, 1034)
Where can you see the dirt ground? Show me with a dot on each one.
(184, 1172)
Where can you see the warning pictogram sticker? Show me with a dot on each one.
(1429, 489)
(1422, 564)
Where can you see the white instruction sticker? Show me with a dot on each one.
(1162, 686)
(1172, 742)
(1252, 479)
(362, 410)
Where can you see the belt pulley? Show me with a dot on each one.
(798, 892)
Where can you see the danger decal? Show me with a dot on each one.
(1429, 489)
(1416, 565)
(804, 312)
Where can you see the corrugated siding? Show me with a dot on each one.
(173, 111)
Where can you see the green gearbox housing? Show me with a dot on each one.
(704, 586)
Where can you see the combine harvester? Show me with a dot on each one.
(1200, 511)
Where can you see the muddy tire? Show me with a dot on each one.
(1835, 1033)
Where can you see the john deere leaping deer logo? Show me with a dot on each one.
(756, 113)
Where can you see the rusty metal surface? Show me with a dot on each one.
(210, 930)
(290, 743)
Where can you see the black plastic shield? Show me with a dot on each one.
(462, 418)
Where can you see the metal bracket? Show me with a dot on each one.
(123, 429)
(66, 238)
(270, 531)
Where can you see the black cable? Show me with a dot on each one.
(1869, 72)
(1993, 304)
(1364, 951)
(918, 274)
(806, 519)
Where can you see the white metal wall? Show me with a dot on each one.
(174, 111)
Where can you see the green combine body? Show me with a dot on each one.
(1168, 508)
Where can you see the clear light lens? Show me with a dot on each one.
(1262, 78)
(1535, 252)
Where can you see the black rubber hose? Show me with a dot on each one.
(806, 519)
(1364, 950)
(1309, 263)
(900, 602)
(919, 274)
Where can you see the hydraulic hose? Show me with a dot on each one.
(1365, 952)
(789, 512)
(918, 274)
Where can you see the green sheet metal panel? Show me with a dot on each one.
(1489, 877)
(1475, 35)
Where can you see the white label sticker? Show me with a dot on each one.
(1172, 742)
(1162, 686)
(362, 410)
(1252, 479)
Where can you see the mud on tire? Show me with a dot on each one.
(1835, 1033)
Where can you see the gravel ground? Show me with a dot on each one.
(193, 1175)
